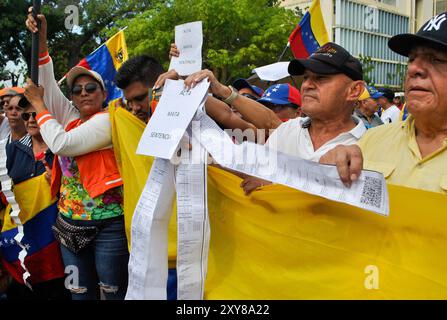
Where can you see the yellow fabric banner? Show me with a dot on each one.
(284, 244)
(280, 243)
(134, 169)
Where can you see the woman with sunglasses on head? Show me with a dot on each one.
(90, 226)
(31, 178)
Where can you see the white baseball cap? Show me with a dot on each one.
(80, 71)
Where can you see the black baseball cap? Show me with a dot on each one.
(387, 93)
(329, 59)
(433, 33)
(240, 83)
(23, 102)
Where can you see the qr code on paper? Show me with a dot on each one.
(372, 192)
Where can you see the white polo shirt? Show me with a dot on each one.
(390, 115)
(293, 138)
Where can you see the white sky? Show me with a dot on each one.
(13, 67)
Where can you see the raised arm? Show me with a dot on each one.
(91, 135)
(215, 108)
(254, 112)
(222, 114)
(56, 102)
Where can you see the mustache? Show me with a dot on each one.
(310, 93)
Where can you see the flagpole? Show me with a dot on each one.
(280, 58)
(65, 77)
(109, 39)
(284, 52)
(35, 45)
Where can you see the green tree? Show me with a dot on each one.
(398, 76)
(67, 46)
(368, 67)
(12, 46)
(238, 35)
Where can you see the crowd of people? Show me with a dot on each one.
(333, 118)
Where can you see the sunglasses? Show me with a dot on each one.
(89, 88)
(27, 115)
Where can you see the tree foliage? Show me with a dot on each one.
(368, 67)
(238, 35)
(66, 46)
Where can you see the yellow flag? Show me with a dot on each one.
(118, 49)
(126, 133)
(280, 243)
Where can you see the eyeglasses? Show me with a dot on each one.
(27, 115)
(89, 88)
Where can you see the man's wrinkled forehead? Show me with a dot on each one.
(330, 77)
(424, 49)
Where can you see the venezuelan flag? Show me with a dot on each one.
(38, 213)
(106, 60)
(310, 33)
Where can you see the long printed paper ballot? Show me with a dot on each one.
(174, 112)
(189, 40)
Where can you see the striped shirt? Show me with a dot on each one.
(26, 140)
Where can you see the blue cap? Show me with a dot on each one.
(374, 93)
(243, 83)
(282, 93)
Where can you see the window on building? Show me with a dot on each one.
(441, 6)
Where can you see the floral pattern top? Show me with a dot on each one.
(75, 202)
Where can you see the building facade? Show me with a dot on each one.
(364, 27)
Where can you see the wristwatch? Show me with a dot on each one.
(232, 96)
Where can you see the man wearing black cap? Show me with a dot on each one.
(333, 82)
(412, 153)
